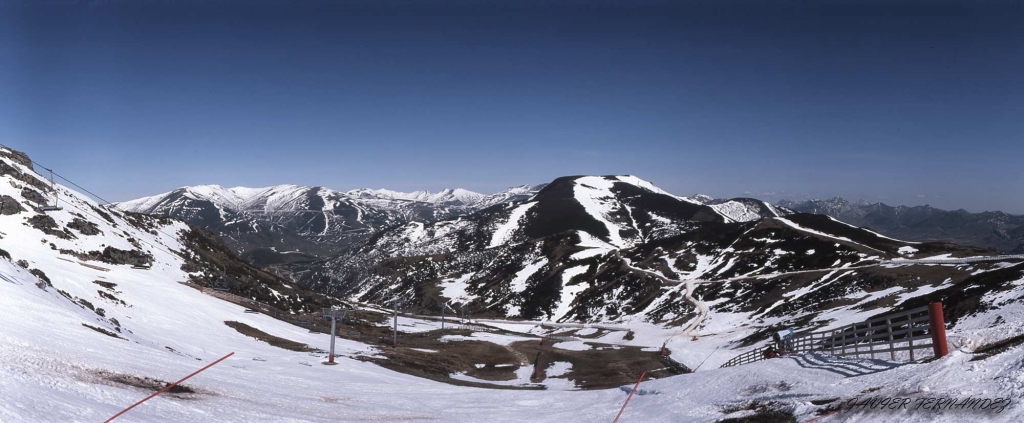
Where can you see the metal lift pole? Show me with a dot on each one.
(395, 342)
(53, 186)
(330, 358)
(332, 314)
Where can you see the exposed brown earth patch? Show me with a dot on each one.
(276, 341)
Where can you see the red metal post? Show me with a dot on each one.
(938, 330)
(536, 366)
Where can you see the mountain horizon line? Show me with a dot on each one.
(425, 195)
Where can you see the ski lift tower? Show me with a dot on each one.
(56, 197)
(394, 342)
(447, 306)
(332, 314)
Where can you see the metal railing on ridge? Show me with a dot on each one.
(904, 332)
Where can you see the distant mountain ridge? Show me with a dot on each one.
(287, 223)
(993, 230)
(292, 222)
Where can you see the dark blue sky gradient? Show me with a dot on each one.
(900, 102)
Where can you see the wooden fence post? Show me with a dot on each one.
(910, 337)
(888, 328)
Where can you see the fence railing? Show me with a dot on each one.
(249, 303)
(910, 331)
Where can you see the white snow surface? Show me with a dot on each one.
(458, 195)
(907, 250)
(504, 232)
(569, 292)
(739, 211)
(594, 194)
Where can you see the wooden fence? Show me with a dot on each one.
(899, 336)
(248, 303)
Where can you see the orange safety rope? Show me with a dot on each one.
(168, 387)
(629, 397)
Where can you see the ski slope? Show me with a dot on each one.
(52, 369)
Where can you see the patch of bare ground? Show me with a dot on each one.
(276, 341)
(104, 331)
(764, 412)
(606, 366)
(997, 347)
(763, 416)
(449, 358)
(423, 354)
(144, 383)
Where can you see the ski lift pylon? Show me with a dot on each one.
(56, 197)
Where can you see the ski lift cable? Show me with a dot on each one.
(90, 193)
(62, 177)
(94, 195)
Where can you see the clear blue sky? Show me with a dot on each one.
(901, 102)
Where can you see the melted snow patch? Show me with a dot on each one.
(523, 375)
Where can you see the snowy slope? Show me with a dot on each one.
(55, 368)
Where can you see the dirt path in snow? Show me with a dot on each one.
(702, 310)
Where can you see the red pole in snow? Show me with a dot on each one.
(938, 329)
(662, 353)
(629, 397)
(167, 388)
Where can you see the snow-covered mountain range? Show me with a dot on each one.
(617, 249)
(288, 223)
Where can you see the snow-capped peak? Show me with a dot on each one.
(457, 196)
(702, 198)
